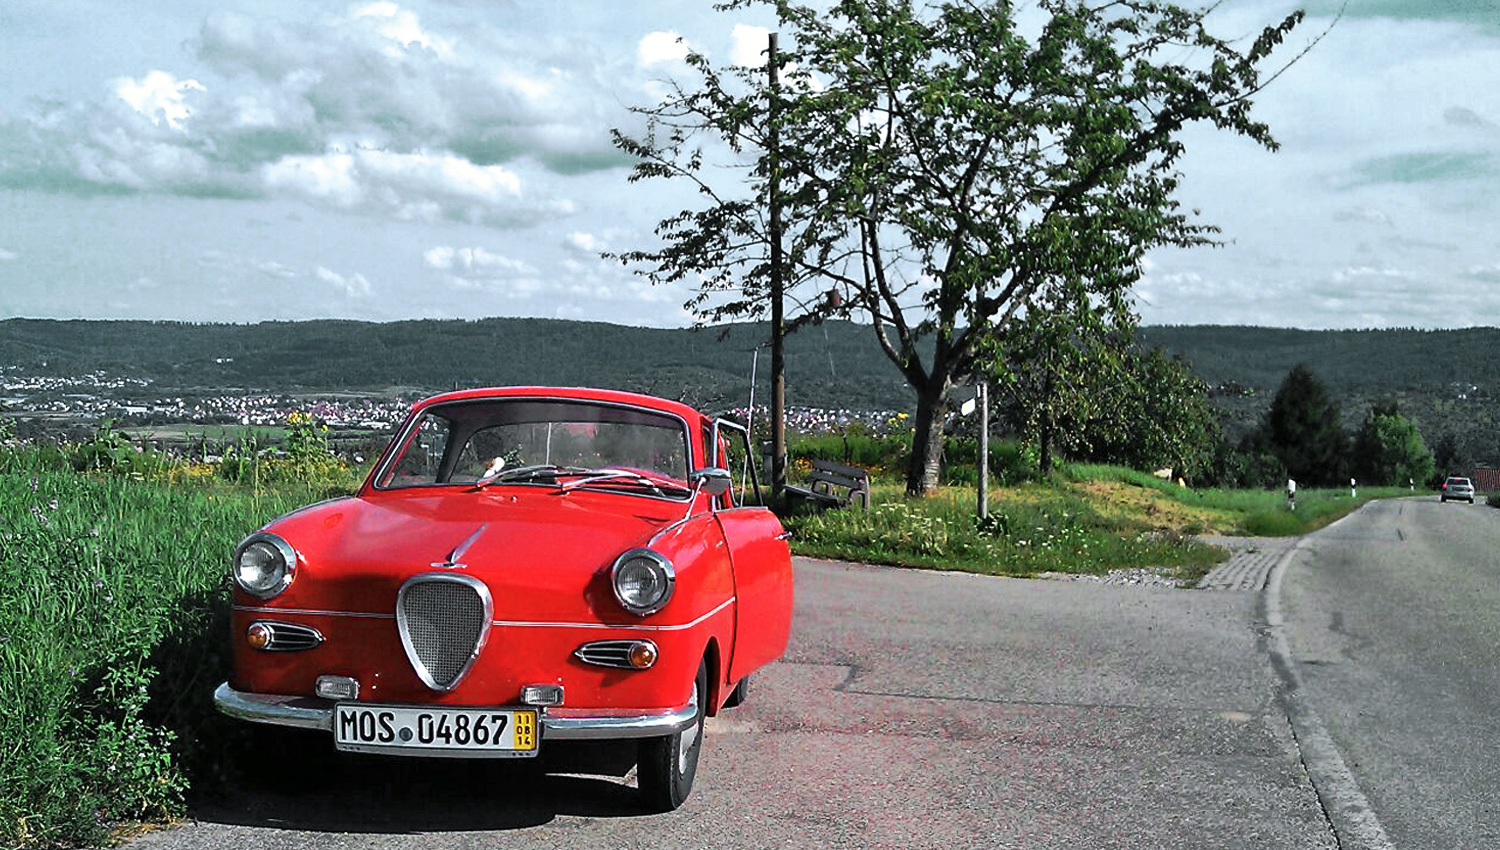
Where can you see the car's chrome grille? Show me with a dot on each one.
(444, 620)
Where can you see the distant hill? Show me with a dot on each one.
(1448, 380)
(837, 364)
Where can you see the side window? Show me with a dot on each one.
(487, 449)
(733, 454)
(422, 457)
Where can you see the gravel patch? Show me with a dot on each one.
(1136, 576)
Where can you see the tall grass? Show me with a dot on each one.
(113, 605)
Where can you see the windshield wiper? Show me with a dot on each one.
(597, 476)
(529, 473)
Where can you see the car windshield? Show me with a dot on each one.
(542, 441)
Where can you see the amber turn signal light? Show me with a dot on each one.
(258, 635)
(642, 655)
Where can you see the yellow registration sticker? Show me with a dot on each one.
(525, 730)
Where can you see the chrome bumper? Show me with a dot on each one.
(317, 713)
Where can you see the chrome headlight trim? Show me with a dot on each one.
(643, 581)
(272, 576)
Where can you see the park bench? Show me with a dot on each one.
(835, 485)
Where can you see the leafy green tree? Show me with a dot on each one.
(1389, 449)
(1052, 370)
(1302, 429)
(1158, 415)
(1451, 456)
(1245, 466)
(937, 165)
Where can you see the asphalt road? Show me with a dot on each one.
(913, 710)
(1393, 616)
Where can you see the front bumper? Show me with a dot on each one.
(558, 724)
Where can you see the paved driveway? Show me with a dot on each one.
(913, 709)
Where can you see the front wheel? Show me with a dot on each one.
(666, 766)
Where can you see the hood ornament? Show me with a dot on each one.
(453, 562)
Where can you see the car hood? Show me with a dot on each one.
(531, 546)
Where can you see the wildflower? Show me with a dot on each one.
(34, 483)
(52, 504)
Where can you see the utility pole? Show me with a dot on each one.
(778, 329)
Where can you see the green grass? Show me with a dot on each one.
(1032, 529)
(1257, 513)
(113, 615)
(1088, 519)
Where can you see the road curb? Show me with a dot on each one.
(1250, 563)
(1346, 807)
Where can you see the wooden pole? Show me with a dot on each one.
(778, 328)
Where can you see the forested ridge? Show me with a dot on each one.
(1445, 380)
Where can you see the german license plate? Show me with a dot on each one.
(433, 731)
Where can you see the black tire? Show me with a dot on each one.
(666, 766)
(740, 693)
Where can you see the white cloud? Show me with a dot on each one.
(749, 45)
(406, 186)
(159, 96)
(661, 47)
(354, 286)
(1485, 274)
(401, 27)
(584, 243)
(473, 260)
(8, 255)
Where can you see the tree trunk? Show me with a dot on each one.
(923, 469)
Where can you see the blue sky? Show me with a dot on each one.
(233, 161)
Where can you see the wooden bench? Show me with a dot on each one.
(835, 485)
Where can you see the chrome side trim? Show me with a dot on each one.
(632, 627)
(257, 609)
(315, 713)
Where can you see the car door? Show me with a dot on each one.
(758, 555)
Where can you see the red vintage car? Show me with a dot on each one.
(523, 565)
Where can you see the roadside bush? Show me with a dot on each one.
(1011, 462)
(877, 454)
(303, 457)
(110, 451)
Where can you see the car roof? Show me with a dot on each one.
(580, 393)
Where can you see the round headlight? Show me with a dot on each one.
(263, 565)
(643, 581)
